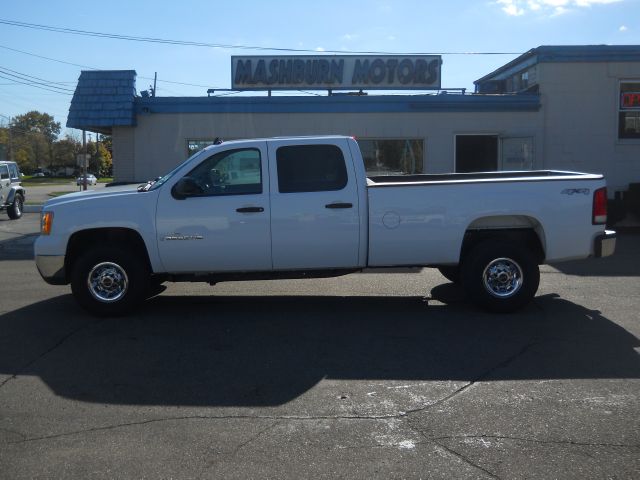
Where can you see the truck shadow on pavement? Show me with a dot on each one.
(625, 262)
(268, 350)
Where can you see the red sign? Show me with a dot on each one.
(630, 100)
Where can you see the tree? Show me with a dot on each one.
(36, 122)
(38, 131)
(4, 143)
(107, 141)
(65, 152)
(100, 162)
(106, 162)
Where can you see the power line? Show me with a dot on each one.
(132, 38)
(94, 68)
(31, 78)
(32, 84)
(47, 58)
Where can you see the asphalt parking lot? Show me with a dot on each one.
(375, 375)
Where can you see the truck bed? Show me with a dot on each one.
(422, 219)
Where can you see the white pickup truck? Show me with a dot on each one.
(304, 207)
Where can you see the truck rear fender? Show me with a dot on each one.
(82, 240)
(522, 229)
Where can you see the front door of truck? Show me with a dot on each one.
(314, 205)
(218, 220)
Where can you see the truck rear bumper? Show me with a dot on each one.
(605, 244)
(51, 268)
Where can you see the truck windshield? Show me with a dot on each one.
(158, 183)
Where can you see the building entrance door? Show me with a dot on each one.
(476, 153)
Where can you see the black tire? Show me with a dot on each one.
(499, 276)
(155, 286)
(450, 272)
(15, 209)
(109, 281)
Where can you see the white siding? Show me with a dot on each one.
(161, 139)
(580, 107)
(124, 157)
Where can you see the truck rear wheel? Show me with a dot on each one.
(109, 281)
(499, 276)
(15, 209)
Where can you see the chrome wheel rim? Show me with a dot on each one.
(107, 282)
(502, 277)
(18, 206)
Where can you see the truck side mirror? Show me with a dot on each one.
(186, 187)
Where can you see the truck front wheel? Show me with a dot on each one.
(501, 277)
(109, 281)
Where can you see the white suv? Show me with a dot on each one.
(12, 194)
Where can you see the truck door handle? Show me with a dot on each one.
(250, 210)
(339, 205)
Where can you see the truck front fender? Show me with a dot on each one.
(15, 190)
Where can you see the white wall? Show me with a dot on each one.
(161, 139)
(580, 108)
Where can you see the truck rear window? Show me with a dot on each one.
(310, 168)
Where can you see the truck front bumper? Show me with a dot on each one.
(605, 244)
(51, 268)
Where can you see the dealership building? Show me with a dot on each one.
(554, 107)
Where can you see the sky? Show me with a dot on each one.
(462, 31)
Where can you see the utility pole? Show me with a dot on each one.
(10, 146)
(155, 78)
(84, 159)
(98, 158)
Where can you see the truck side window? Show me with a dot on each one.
(4, 172)
(233, 172)
(310, 168)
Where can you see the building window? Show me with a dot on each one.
(194, 146)
(392, 157)
(629, 110)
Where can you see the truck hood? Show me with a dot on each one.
(88, 195)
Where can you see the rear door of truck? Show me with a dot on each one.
(315, 221)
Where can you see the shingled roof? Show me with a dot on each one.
(103, 99)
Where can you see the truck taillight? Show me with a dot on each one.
(600, 206)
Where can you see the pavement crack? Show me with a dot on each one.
(464, 459)
(483, 376)
(14, 432)
(277, 418)
(47, 352)
(538, 441)
(255, 437)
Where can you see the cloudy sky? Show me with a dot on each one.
(475, 37)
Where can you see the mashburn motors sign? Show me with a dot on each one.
(341, 72)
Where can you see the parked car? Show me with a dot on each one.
(91, 180)
(304, 208)
(12, 193)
